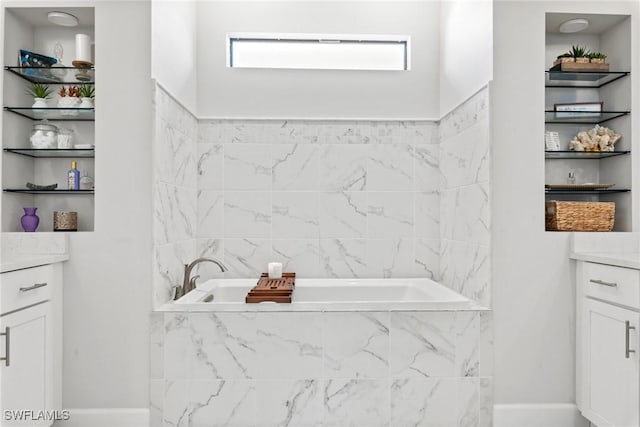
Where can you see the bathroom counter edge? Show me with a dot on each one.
(621, 259)
(22, 261)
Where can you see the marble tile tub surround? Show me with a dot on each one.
(326, 198)
(319, 369)
(175, 192)
(465, 223)
(211, 368)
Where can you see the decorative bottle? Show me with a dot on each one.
(74, 177)
(29, 220)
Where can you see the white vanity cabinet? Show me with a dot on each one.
(608, 322)
(31, 345)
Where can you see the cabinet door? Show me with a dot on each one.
(26, 381)
(611, 377)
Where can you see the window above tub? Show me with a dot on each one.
(319, 51)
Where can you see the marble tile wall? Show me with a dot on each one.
(465, 221)
(363, 369)
(327, 199)
(175, 192)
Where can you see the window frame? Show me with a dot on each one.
(369, 39)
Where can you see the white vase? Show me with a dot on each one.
(40, 103)
(86, 102)
(68, 102)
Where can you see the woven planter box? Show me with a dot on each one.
(579, 66)
(579, 216)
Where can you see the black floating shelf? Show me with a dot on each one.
(51, 192)
(54, 113)
(581, 117)
(585, 79)
(51, 153)
(55, 75)
(604, 191)
(567, 154)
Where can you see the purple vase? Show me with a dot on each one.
(29, 220)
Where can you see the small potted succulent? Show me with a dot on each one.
(68, 98)
(40, 94)
(87, 93)
(597, 58)
(565, 57)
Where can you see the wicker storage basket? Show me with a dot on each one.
(579, 216)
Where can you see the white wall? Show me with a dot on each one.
(533, 292)
(108, 279)
(466, 50)
(173, 48)
(259, 93)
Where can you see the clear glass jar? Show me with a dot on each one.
(86, 182)
(44, 135)
(65, 138)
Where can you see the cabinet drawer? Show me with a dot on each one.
(25, 287)
(615, 284)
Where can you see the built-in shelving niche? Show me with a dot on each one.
(27, 28)
(609, 34)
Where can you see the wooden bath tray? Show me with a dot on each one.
(274, 290)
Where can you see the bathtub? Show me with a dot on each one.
(328, 295)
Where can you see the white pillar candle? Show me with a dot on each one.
(83, 48)
(275, 270)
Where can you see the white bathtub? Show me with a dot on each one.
(328, 295)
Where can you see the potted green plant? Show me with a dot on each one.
(40, 94)
(580, 54)
(87, 93)
(68, 99)
(565, 57)
(597, 58)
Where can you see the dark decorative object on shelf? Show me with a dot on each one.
(65, 221)
(32, 186)
(31, 59)
(29, 220)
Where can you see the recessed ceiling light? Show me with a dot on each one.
(574, 25)
(62, 18)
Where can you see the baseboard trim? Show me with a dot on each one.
(538, 415)
(106, 417)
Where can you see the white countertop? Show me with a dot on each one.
(18, 262)
(622, 259)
